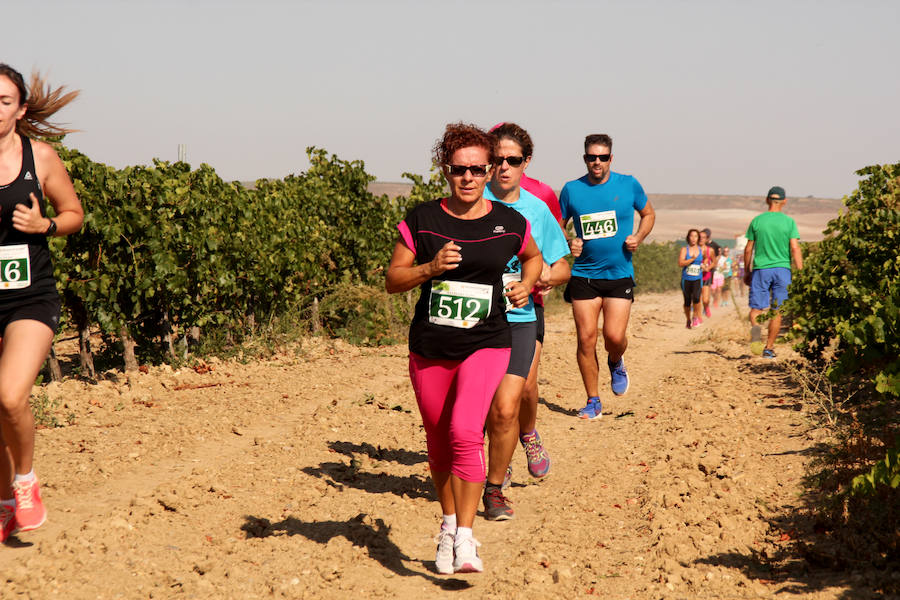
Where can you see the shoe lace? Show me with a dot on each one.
(6, 513)
(465, 541)
(24, 497)
(496, 498)
(444, 536)
(532, 448)
(592, 406)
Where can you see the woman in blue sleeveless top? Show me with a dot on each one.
(690, 260)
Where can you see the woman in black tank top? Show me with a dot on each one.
(29, 303)
(455, 251)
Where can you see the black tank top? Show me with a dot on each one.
(15, 245)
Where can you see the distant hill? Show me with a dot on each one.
(678, 201)
(727, 215)
(754, 203)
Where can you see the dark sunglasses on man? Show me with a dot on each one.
(589, 158)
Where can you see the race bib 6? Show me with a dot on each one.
(15, 267)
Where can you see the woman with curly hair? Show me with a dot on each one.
(455, 250)
(31, 173)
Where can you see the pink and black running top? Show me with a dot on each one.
(463, 309)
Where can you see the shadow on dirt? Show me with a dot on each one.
(742, 357)
(799, 567)
(397, 455)
(338, 475)
(362, 531)
(572, 412)
(14, 542)
(828, 539)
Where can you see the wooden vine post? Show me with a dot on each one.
(128, 344)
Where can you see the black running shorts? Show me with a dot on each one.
(523, 336)
(45, 309)
(539, 313)
(582, 288)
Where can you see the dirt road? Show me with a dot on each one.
(305, 476)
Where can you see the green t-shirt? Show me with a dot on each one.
(771, 233)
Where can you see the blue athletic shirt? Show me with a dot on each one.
(695, 267)
(603, 215)
(547, 235)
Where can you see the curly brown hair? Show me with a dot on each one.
(462, 135)
(511, 131)
(41, 101)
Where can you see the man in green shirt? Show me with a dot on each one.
(774, 237)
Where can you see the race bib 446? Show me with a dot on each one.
(15, 267)
(459, 304)
(599, 225)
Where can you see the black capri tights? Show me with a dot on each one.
(691, 290)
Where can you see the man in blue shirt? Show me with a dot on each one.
(602, 205)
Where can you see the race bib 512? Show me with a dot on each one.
(459, 304)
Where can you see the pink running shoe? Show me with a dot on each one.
(696, 323)
(30, 511)
(708, 312)
(7, 522)
(535, 454)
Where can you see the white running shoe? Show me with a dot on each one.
(467, 559)
(443, 561)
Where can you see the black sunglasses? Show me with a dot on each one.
(476, 170)
(514, 161)
(589, 158)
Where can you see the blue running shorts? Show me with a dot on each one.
(768, 283)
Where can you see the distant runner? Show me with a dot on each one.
(456, 250)
(708, 268)
(29, 302)
(775, 239)
(727, 274)
(690, 259)
(602, 205)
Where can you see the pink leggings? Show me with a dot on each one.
(454, 397)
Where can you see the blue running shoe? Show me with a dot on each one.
(619, 382)
(593, 409)
(768, 353)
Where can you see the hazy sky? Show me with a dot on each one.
(715, 97)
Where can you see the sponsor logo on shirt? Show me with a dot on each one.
(499, 229)
(28, 176)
